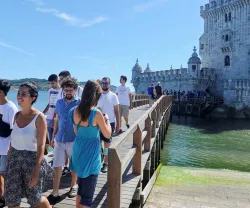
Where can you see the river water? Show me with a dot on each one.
(208, 143)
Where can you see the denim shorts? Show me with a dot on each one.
(3, 160)
(50, 128)
(86, 189)
(104, 138)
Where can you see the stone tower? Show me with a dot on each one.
(194, 64)
(225, 46)
(136, 71)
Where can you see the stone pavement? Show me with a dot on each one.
(178, 187)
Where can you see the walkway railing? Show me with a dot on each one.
(148, 134)
(139, 100)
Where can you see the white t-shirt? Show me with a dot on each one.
(54, 96)
(106, 104)
(78, 94)
(8, 112)
(123, 95)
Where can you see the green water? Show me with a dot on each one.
(208, 143)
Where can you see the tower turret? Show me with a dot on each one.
(136, 71)
(194, 64)
(147, 69)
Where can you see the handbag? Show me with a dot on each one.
(5, 129)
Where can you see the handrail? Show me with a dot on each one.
(148, 122)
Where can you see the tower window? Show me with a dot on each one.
(193, 68)
(226, 38)
(227, 61)
(202, 46)
(229, 16)
(226, 18)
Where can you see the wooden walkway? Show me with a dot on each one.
(130, 181)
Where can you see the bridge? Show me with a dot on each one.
(134, 159)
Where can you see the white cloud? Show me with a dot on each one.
(143, 7)
(72, 20)
(3, 44)
(37, 2)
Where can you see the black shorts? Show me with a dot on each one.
(104, 138)
(86, 189)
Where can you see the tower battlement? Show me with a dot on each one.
(220, 4)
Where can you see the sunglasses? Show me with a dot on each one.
(105, 83)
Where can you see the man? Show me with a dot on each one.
(78, 95)
(158, 90)
(151, 94)
(65, 74)
(55, 93)
(109, 104)
(125, 99)
(7, 113)
(63, 137)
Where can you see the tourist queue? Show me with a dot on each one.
(75, 121)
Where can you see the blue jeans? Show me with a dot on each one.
(86, 189)
(50, 128)
(3, 159)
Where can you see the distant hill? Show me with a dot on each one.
(43, 83)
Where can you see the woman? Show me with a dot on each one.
(27, 170)
(86, 157)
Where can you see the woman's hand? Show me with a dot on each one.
(34, 178)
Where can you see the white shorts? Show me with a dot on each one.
(61, 152)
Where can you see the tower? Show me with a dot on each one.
(136, 71)
(194, 64)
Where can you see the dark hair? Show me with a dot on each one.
(53, 77)
(33, 89)
(5, 86)
(69, 82)
(65, 74)
(107, 78)
(91, 94)
(124, 78)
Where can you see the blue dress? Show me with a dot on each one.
(86, 154)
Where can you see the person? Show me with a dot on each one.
(78, 94)
(27, 172)
(158, 90)
(63, 137)
(66, 74)
(7, 112)
(88, 121)
(125, 99)
(55, 93)
(151, 94)
(109, 105)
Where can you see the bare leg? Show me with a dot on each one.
(67, 161)
(56, 181)
(106, 145)
(1, 186)
(44, 203)
(78, 198)
(126, 120)
(74, 179)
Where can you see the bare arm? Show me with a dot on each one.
(103, 124)
(55, 128)
(118, 118)
(46, 109)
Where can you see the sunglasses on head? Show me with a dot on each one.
(105, 83)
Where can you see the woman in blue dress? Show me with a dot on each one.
(85, 161)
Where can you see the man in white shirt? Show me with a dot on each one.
(125, 99)
(55, 93)
(7, 113)
(108, 104)
(65, 74)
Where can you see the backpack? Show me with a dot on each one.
(5, 129)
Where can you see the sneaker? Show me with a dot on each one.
(65, 171)
(72, 192)
(2, 202)
(53, 199)
(127, 126)
(104, 168)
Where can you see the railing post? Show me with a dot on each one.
(153, 117)
(114, 179)
(147, 143)
(137, 141)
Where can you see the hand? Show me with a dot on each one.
(52, 142)
(34, 178)
(130, 107)
(106, 117)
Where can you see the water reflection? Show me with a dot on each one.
(208, 143)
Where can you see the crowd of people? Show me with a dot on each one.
(75, 122)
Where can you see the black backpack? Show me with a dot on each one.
(5, 130)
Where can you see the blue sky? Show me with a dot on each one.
(93, 38)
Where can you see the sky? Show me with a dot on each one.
(93, 38)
